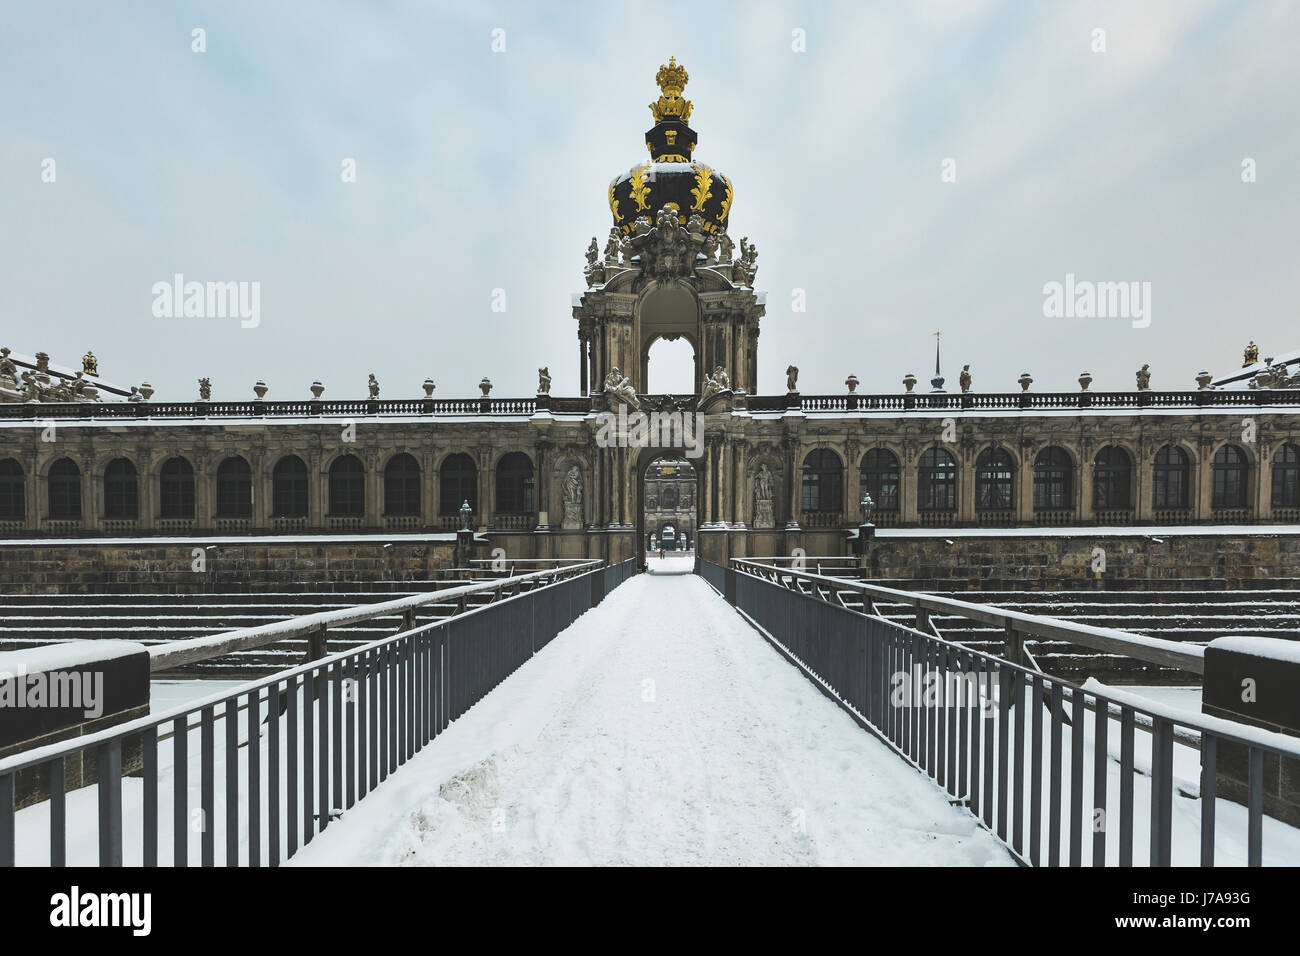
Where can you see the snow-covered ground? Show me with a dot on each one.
(658, 729)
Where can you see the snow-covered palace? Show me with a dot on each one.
(776, 470)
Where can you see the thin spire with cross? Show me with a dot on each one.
(937, 381)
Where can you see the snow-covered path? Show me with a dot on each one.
(658, 729)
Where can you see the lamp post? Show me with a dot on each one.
(866, 530)
(464, 537)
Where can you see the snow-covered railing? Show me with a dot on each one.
(1016, 624)
(298, 748)
(992, 733)
(316, 627)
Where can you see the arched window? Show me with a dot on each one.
(1112, 480)
(176, 488)
(879, 477)
(289, 488)
(515, 484)
(1229, 471)
(936, 481)
(347, 487)
(1053, 479)
(1171, 478)
(120, 487)
(457, 482)
(234, 489)
(670, 499)
(993, 480)
(1286, 477)
(402, 486)
(13, 498)
(822, 481)
(65, 489)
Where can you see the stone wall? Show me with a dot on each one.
(1062, 562)
(89, 567)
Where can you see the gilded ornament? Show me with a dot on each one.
(671, 80)
(640, 189)
(613, 203)
(703, 180)
(726, 203)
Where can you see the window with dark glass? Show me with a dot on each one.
(65, 489)
(289, 488)
(1228, 473)
(879, 477)
(822, 481)
(1112, 481)
(936, 481)
(347, 484)
(457, 483)
(1286, 477)
(234, 489)
(515, 484)
(176, 489)
(402, 486)
(1053, 480)
(1171, 478)
(994, 473)
(120, 490)
(13, 492)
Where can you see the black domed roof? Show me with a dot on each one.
(671, 177)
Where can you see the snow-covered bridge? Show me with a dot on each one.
(659, 728)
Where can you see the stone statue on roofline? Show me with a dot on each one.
(964, 378)
(373, 385)
(1144, 378)
(544, 381)
(792, 378)
(205, 389)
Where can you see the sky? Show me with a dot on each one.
(903, 168)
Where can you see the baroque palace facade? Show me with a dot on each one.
(775, 472)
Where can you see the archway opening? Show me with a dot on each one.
(670, 367)
(668, 516)
(669, 315)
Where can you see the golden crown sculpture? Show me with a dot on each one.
(671, 79)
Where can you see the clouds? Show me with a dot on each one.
(479, 171)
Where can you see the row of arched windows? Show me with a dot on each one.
(1112, 486)
(290, 487)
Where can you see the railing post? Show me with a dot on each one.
(923, 620)
(1014, 647)
(317, 641)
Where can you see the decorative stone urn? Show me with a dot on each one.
(1203, 380)
(259, 389)
(317, 390)
(852, 383)
(1085, 379)
(146, 390)
(909, 381)
(486, 386)
(1025, 381)
(428, 388)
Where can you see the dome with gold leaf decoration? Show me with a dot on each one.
(670, 177)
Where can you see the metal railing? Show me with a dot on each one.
(979, 731)
(313, 740)
(830, 404)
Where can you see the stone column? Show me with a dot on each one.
(852, 485)
(740, 500)
(1202, 491)
(92, 509)
(148, 490)
(486, 488)
(260, 484)
(1263, 483)
(371, 460)
(204, 506)
(967, 463)
(1024, 490)
(1144, 473)
(318, 497)
(909, 492)
(793, 483)
(33, 510)
(1083, 487)
(429, 487)
(582, 362)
